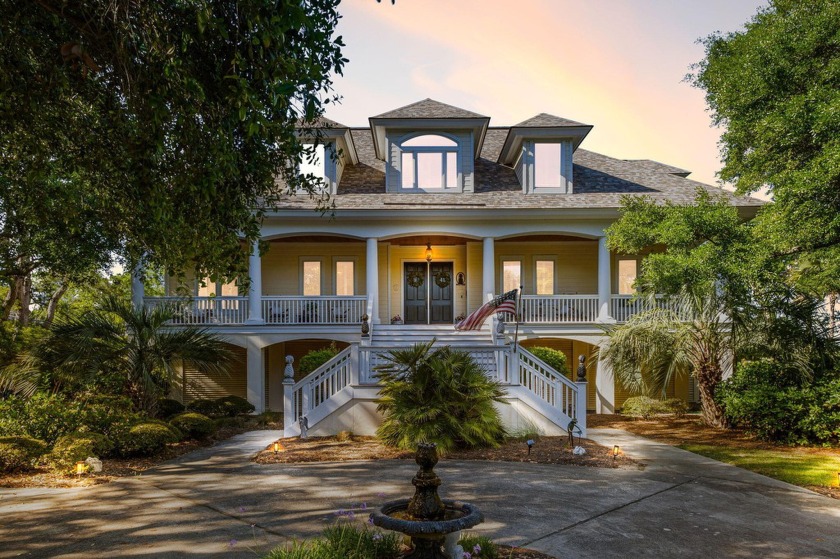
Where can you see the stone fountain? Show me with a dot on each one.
(425, 517)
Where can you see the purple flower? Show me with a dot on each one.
(476, 549)
(377, 536)
(232, 543)
(467, 555)
(351, 516)
(339, 512)
(370, 520)
(380, 495)
(363, 506)
(241, 509)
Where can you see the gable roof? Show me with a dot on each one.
(545, 120)
(320, 122)
(429, 108)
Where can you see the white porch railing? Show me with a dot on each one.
(316, 389)
(203, 310)
(554, 309)
(564, 396)
(622, 307)
(291, 309)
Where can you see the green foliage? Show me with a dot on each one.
(553, 358)
(77, 447)
(479, 546)
(210, 408)
(44, 416)
(194, 425)
(145, 439)
(229, 422)
(774, 88)
(676, 406)
(234, 405)
(774, 404)
(315, 358)
(156, 128)
(135, 346)
(643, 406)
(167, 407)
(440, 396)
(344, 540)
(20, 453)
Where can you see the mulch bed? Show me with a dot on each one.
(691, 430)
(507, 552)
(115, 468)
(546, 450)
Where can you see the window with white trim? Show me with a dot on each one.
(626, 276)
(545, 277)
(429, 162)
(314, 162)
(345, 278)
(547, 173)
(511, 275)
(311, 279)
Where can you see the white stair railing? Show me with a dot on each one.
(547, 384)
(487, 357)
(316, 388)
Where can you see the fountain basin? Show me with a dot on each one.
(457, 516)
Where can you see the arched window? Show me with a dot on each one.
(429, 161)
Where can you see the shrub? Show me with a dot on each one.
(643, 406)
(210, 408)
(167, 407)
(441, 396)
(76, 447)
(316, 358)
(764, 400)
(553, 358)
(107, 414)
(234, 405)
(675, 406)
(194, 425)
(479, 546)
(346, 541)
(45, 417)
(146, 438)
(267, 418)
(229, 422)
(20, 453)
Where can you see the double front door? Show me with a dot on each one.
(428, 292)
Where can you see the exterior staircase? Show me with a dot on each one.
(537, 393)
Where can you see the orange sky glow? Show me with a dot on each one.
(616, 64)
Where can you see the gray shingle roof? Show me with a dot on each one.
(599, 182)
(429, 108)
(320, 122)
(545, 120)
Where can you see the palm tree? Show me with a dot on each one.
(115, 339)
(441, 396)
(653, 346)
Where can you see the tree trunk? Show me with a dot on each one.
(53, 304)
(9, 301)
(708, 377)
(25, 292)
(832, 302)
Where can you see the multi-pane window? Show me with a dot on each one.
(545, 277)
(547, 165)
(208, 288)
(511, 275)
(314, 162)
(312, 278)
(344, 280)
(626, 277)
(429, 161)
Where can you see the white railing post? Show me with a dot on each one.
(580, 403)
(289, 418)
(355, 373)
(513, 367)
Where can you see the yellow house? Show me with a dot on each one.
(437, 212)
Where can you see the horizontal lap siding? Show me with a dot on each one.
(475, 259)
(576, 264)
(281, 266)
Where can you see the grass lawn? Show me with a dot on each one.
(812, 467)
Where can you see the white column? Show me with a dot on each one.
(372, 276)
(488, 284)
(604, 389)
(138, 290)
(604, 282)
(255, 367)
(255, 315)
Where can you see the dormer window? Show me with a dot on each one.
(313, 162)
(429, 162)
(547, 172)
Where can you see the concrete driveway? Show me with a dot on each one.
(217, 503)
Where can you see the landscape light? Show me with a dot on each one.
(278, 448)
(615, 451)
(80, 468)
(530, 443)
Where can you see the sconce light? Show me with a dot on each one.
(460, 279)
(616, 449)
(80, 468)
(428, 252)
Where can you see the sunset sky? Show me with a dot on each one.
(616, 64)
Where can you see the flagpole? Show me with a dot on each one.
(516, 332)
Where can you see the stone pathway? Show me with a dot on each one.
(217, 503)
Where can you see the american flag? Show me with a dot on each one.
(502, 303)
